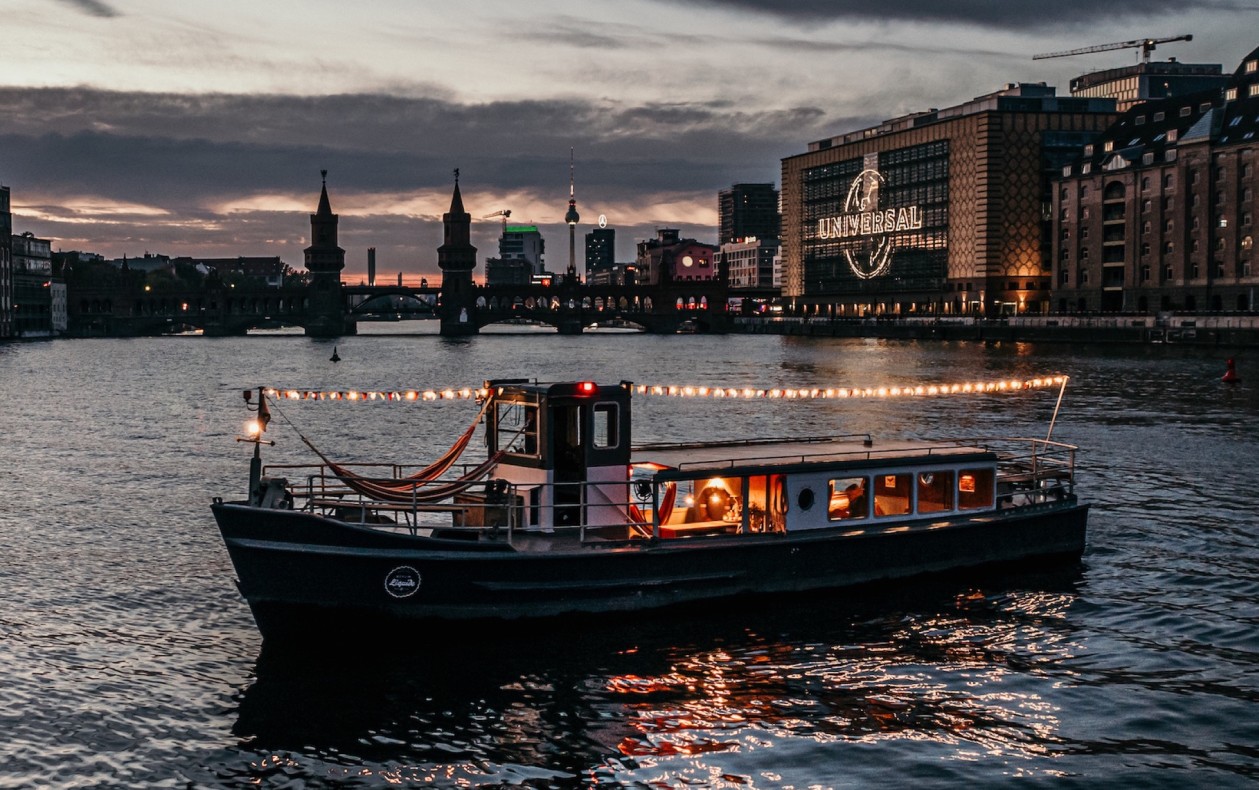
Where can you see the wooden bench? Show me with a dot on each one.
(696, 528)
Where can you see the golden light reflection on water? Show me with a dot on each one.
(966, 677)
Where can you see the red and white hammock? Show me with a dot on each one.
(423, 486)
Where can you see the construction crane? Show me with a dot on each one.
(505, 213)
(1147, 46)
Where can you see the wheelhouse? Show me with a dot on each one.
(564, 449)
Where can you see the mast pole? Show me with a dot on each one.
(1062, 391)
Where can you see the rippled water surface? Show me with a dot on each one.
(129, 660)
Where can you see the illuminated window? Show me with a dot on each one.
(892, 494)
(935, 491)
(848, 499)
(974, 488)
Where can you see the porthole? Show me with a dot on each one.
(805, 499)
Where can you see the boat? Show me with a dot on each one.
(567, 516)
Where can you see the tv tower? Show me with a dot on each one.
(572, 217)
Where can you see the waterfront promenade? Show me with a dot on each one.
(1199, 330)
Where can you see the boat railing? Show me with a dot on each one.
(868, 451)
(452, 508)
(1034, 471)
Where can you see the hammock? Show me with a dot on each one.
(420, 487)
(408, 493)
(433, 470)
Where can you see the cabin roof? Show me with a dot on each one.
(800, 452)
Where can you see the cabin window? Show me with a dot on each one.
(891, 494)
(766, 503)
(718, 500)
(848, 499)
(974, 488)
(606, 429)
(516, 428)
(935, 491)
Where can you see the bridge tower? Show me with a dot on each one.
(325, 311)
(457, 258)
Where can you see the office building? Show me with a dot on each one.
(6, 264)
(747, 211)
(600, 251)
(32, 286)
(938, 212)
(750, 263)
(521, 256)
(1132, 85)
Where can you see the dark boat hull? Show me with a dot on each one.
(299, 571)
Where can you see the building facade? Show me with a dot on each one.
(521, 256)
(749, 263)
(940, 212)
(6, 264)
(670, 258)
(746, 211)
(1158, 214)
(1132, 85)
(600, 251)
(32, 286)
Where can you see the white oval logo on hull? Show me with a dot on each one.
(402, 582)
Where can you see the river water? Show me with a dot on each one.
(129, 660)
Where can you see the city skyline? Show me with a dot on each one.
(132, 125)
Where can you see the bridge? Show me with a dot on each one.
(130, 309)
(219, 310)
(130, 303)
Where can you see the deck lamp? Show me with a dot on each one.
(255, 428)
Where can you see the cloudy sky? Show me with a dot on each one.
(186, 128)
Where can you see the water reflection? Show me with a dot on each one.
(700, 691)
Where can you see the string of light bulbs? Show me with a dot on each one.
(997, 386)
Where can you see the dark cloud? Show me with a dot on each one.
(93, 7)
(181, 154)
(867, 47)
(1002, 14)
(214, 144)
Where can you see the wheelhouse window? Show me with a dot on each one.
(848, 499)
(516, 427)
(606, 426)
(935, 491)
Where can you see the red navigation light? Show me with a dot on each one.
(586, 388)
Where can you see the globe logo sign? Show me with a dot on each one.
(869, 226)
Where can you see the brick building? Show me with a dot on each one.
(1158, 214)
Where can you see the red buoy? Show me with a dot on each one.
(1230, 375)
